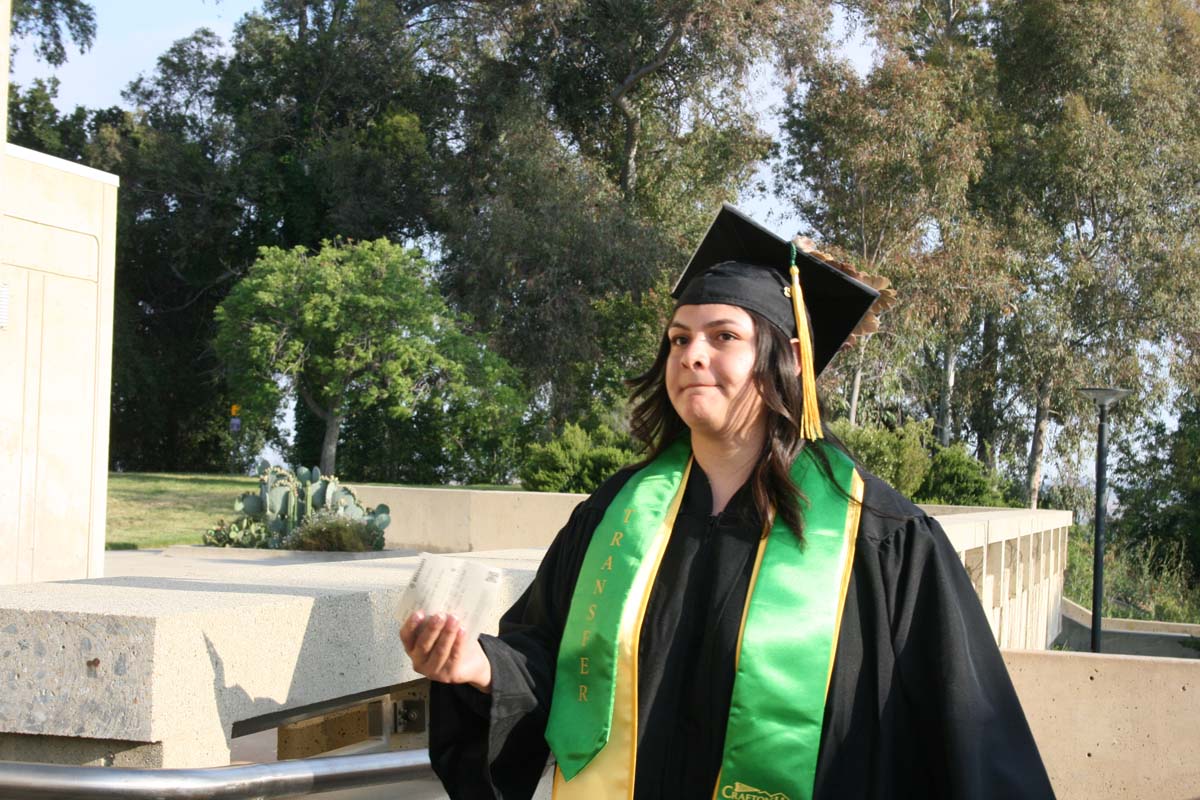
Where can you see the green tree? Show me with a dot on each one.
(598, 138)
(548, 260)
(883, 165)
(182, 240)
(1101, 102)
(351, 326)
(34, 121)
(307, 130)
(897, 456)
(45, 21)
(335, 119)
(955, 477)
(624, 77)
(574, 461)
(1158, 486)
(469, 431)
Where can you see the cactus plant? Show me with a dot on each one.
(285, 501)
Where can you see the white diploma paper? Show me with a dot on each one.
(464, 587)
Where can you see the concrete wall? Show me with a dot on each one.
(162, 670)
(1110, 725)
(1131, 637)
(464, 520)
(1015, 557)
(57, 259)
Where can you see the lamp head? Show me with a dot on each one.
(1105, 395)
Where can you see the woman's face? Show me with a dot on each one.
(709, 370)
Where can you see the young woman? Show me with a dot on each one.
(747, 614)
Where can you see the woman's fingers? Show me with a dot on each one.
(443, 647)
(439, 649)
(408, 631)
(431, 643)
(428, 634)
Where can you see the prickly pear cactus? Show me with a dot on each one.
(285, 501)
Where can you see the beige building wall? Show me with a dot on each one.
(57, 259)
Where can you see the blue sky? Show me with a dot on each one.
(130, 36)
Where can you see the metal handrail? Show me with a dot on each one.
(26, 781)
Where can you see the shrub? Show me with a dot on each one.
(1147, 580)
(957, 478)
(898, 455)
(329, 531)
(575, 461)
(242, 532)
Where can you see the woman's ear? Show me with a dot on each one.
(796, 354)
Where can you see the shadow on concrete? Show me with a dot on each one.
(332, 661)
(222, 692)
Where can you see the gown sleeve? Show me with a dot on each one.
(973, 734)
(493, 746)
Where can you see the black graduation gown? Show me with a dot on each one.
(920, 704)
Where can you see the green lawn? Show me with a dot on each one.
(147, 510)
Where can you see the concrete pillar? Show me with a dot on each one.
(57, 264)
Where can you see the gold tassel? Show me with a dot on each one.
(810, 418)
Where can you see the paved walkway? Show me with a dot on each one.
(195, 561)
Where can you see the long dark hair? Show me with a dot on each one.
(655, 423)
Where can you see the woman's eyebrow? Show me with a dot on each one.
(710, 324)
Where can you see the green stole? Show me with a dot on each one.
(789, 627)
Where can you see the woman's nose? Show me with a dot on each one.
(695, 355)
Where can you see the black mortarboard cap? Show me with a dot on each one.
(741, 263)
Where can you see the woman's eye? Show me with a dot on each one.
(679, 341)
(726, 336)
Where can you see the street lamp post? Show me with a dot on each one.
(1103, 397)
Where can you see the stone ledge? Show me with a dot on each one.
(180, 660)
(1112, 725)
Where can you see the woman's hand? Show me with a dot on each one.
(440, 650)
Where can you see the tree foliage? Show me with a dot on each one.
(1018, 170)
(597, 140)
(353, 326)
(50, 23)
(1023, 172)
(883, 165)
(547, 250)
(1103, 104)
(335, 121)
(574, 461)
(957, 478)
(471, 431)
(1158, 487)
(899, 456)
